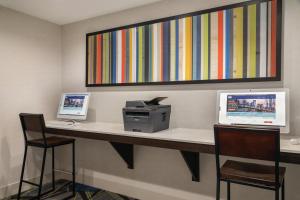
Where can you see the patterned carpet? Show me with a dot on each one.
(63, 190)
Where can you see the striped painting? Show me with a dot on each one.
(237, 43)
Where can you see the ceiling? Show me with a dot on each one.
(67, 11)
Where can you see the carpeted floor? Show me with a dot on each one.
(63, 190)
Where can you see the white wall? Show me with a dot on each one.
(30, 81)
(31, 57)
(159, 173)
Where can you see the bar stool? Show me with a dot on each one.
(251, 143)
(36, 123)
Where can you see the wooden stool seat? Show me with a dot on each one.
(51, 142)
(249, 173)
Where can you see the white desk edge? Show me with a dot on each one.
(198, 136)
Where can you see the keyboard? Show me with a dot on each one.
(60, 123)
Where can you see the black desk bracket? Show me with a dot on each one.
(125, 151)
(192, 160)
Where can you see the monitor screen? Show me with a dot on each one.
(73, 106)
(253, 108)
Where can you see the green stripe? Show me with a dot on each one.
(141, 56)
(107, 59)
(205, 43)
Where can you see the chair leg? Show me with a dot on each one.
(283, 190)
(218, 190)
(42, 174)
(73, 167)
(53, 169)
(277, 194)
(228, 190)
(22, 172)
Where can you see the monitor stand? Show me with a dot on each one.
(74, 122)
(71, 122)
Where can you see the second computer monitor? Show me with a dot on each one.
(254, 107)
(73, 106)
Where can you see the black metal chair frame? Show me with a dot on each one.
(40, 127)
(276, 162)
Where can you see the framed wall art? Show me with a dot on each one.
(234, 43)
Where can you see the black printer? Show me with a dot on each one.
(146, 116)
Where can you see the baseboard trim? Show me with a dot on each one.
(12, 188)
(134, 188)
(129, 187)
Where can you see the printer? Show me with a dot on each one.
(146, 116)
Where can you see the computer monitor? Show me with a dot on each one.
(254, 107)
(73, 106)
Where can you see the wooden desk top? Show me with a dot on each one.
(181, 135)
(190, 142)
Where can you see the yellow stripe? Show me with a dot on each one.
(238, 36)
(252, 41)
(107, 58)
(205, 46)
(188, 49)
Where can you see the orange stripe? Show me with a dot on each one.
(220, 45)
(273, 38)
(99, 59)
(189, 48)
(123, 55)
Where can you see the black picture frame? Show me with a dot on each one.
(210, 10)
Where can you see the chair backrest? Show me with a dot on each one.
(247, 142)
(33, 123)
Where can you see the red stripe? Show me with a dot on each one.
(273, 38)
(161, 52)
(220, 45)
(123, 55)
(99, 59)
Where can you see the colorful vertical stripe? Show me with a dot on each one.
(214, 45)
(205, 46)
(235, 43)
(251, 64)
(188, 48)
(221, 45)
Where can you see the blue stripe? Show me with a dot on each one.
(166, 50)
(177, 50)
(228, 14)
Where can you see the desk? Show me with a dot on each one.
(190, 142)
